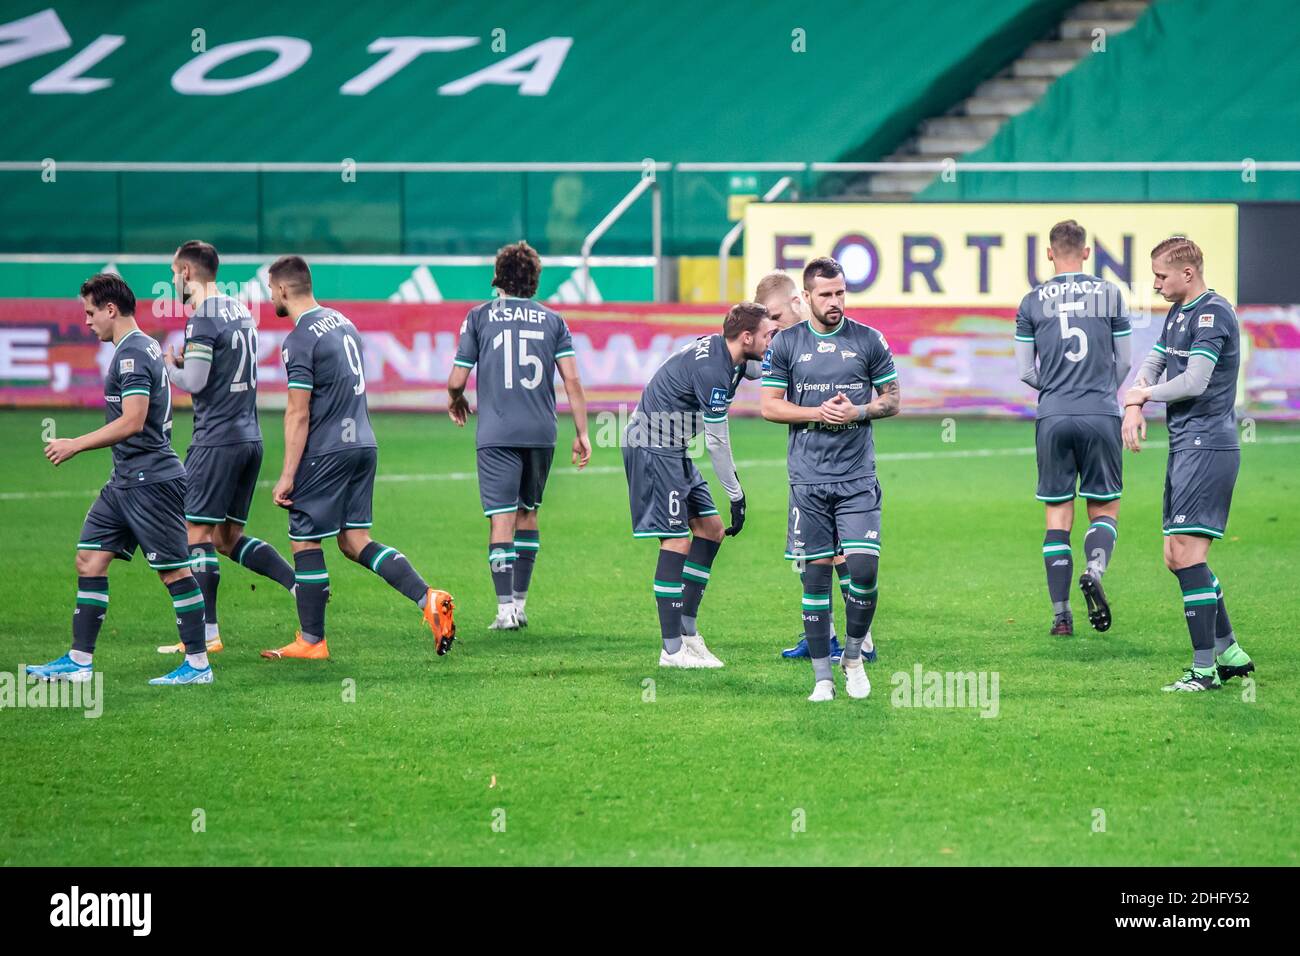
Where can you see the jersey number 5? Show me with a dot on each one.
(1068, 333)
(505, 339)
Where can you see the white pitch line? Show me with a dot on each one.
(569, 471)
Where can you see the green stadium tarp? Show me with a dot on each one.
(1194, 80)
(673, 80)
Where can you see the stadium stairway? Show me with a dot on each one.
(974, 121)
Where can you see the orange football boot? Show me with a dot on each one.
(438, 607)
(300, 649)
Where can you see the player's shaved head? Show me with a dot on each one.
(518, 270)
(291, 272)
(202, 257)
(1179, 251)
(823, 267)
(106, 288)
(772, 284)
(1067, 239)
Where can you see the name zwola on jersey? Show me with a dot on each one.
(695, 383)
(515, 343)
(1073, 320)
(225, 411)
(323, 355)
(812, 367)
(137, 369)
(1206, 327)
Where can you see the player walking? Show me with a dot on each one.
(517, 344)
(218, 367)
(144, 500)
(669, 498)
(330, 455)
(1199, 351)
(1078, 327)
(819, 382)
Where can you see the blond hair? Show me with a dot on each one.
(1180, 250)
(771, 284)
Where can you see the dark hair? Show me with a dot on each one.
(107, 287)
(823, 267)
(1067, 236)
(743, 317)
(201, 254)
(293, 272)
(518, 270)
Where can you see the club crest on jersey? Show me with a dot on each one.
(825, 346)
(848, 355)
(1205, 321)
(126, 366)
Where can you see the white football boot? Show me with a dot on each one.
(683, 658)
(856, 682)
(822, 690)
(507, 618)
(695, 644)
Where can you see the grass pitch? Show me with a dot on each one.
(549, 746)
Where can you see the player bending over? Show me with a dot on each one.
(669, 497)
(330, 454)
(819, 381)
(143, 503)
(218, 367)
(517, 343)
(1198, 350)
(1078, 327)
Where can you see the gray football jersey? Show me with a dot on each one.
(137, 369)
(323, 355)
(811, 367)
(225, 411)
(515, 344)
(1073, 320)
(1205, 326)
(694, 385)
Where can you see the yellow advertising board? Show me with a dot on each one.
(979, 254)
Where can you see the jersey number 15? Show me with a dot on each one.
(505, 339)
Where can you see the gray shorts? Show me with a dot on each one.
(512, 478)
(151, 516)
(1079, 448)
(220, 481)
(1198, 490)
(840, 517)
(332, 493)
(666, 492)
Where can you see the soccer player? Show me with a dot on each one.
(819, 381)
(1078, 327)
(144, 500)
(1199, 351)
(779, 294)
(330, 453)
(669, 497)
(218, 366)
(517, 344)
